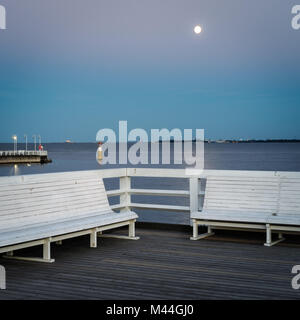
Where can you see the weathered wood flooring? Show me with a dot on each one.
(163, 264)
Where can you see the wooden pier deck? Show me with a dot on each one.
(163, 264)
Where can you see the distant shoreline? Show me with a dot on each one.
(172, 141)
(255, 141)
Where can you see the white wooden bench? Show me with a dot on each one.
(287, 216)
(252, 203)
(44, 208)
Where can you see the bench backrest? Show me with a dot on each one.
(34, 199)
(289, 200)
(243, 194)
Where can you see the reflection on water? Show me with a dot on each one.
(16, 170)
(13, 169)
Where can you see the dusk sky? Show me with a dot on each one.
(71, 67)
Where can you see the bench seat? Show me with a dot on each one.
(44, 208)
(284, 219)
(253, 217)
(46, 230)
(250, 217)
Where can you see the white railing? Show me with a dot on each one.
(194, 193)
(23, 153)
(125, 191)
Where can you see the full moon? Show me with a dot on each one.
(197, 29)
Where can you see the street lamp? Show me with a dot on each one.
(34, 137)
(15, 139)
(40, 143)
(25, 136)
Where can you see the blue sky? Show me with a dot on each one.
(71, 67)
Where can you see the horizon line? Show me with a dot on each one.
(172, 140)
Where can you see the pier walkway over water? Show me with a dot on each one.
(23, 156)
(164, 263)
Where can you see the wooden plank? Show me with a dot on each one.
(61, 205)
(47, 190)
(159, 173)
(39, 200)
(245, 173)
(237, 203)
(155, 192)
(230, 216)
(160, 207)
(47, 215)
(113, 193)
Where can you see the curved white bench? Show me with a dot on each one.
(44, 208)
(271, 204)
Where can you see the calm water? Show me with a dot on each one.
(82, 156)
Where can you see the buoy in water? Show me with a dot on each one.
(99, 151)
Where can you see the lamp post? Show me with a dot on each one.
(15, 139)
(40, 142)
(25, 136)
(34, 137)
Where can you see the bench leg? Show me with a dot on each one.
(131, 233)
(131, 229)
(93, 239)
(46, 254)
(47, 250)
(195, 230)
(269, 242)
(196, 235)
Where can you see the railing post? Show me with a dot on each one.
(125, 198)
